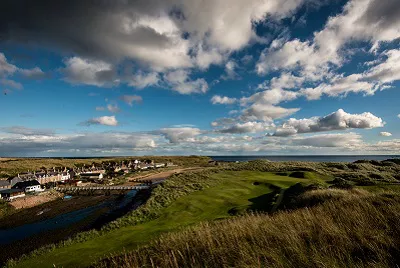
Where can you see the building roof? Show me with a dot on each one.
(90, 174)
(4, 183)
(24, 184)
(10, 191)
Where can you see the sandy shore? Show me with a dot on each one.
(34, 200)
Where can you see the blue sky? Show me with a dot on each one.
(189, 77)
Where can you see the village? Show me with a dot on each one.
(98, 174)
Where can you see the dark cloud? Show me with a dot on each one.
(89, 28)
(89, 72)
(160, 34)
(385, 13)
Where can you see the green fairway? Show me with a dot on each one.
(237, 192)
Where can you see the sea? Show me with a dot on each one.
(244, 158)
(304, 158)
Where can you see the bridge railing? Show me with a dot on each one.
(85, 188)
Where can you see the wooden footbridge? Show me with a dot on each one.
(91, 190)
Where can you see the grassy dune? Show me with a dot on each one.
(349, 229)
(227, 192)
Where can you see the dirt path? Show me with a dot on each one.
(160, 176)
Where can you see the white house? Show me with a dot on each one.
(159, 165)
(65, 176)
(33, 188)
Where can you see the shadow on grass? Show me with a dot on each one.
(265, 202)
(278, 199)
(262, 203)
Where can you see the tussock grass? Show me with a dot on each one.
(349, 228)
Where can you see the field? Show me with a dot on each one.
(233, 193)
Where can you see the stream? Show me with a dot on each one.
(117, 208)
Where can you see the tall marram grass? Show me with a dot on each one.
(349, 229)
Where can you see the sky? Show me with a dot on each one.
(199, 77)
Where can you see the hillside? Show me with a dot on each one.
(351, 228)
(225, 194)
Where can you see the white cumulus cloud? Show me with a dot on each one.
(339, 120)
(103, 120)
(180, 81)
(216, 99)
(142, 80)
(385, 134)
(266, 112)
(177, 135)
